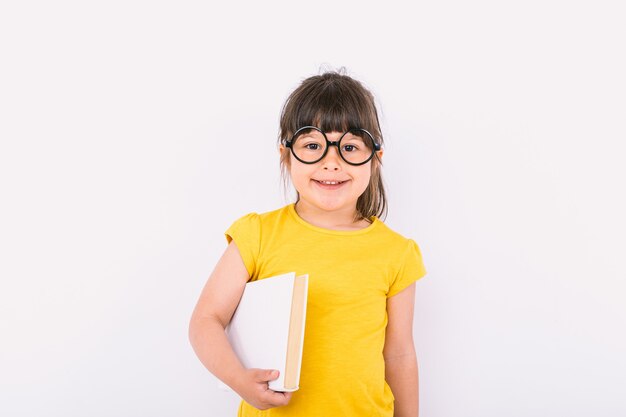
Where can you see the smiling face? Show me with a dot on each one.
(333, 102)
(330, 185)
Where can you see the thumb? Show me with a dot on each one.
(264, 375)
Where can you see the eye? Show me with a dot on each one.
(312, 146)
(349, 148)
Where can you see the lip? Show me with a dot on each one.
(330, 186)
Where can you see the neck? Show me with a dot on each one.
(341, 219)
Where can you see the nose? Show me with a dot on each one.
(331, 161)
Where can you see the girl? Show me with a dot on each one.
(358, 355)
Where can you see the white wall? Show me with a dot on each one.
(133, 133)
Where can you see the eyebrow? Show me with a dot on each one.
(307, 134)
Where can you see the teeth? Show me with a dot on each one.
(330, 182)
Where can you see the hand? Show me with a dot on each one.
(253, 387)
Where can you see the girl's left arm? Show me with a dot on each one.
(401, 370)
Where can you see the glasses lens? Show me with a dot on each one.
(309, 145)
(357, 146)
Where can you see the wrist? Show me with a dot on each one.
(235, 379)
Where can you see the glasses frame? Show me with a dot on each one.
(336, 143)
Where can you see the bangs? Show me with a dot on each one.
(332, 106)
(330, 116)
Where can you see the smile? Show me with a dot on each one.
(330, 185)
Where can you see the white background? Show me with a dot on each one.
(134, 133)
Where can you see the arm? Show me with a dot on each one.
(212, 313)
(401, 370)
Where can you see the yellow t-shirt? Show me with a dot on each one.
(351, 275)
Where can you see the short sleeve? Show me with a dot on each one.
(411, 269)
(246, 232)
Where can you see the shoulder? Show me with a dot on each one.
(255, 220)
(397, 247)
(406, 259)
(390, 237)
(275, 215)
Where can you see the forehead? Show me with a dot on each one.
(332, 135)
(331, 122)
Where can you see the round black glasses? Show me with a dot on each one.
(310, 145)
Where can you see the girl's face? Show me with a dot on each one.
(330, 185)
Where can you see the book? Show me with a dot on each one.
(267, 328)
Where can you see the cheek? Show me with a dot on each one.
(364, 181)
(365, 175)
(367, 178)
(299, 173)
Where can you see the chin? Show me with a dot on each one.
(331, 205)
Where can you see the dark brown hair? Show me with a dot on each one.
(335, 102)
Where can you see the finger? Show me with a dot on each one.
(278, 398)
(264, 375)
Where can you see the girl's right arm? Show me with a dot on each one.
(212, 313)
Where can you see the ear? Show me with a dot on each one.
(281, 149)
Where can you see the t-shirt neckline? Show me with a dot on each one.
(292, 210)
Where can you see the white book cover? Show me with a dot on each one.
(259, 328)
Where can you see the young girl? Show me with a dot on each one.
(358, 355)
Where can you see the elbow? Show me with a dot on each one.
(192, 331)
(196, 327)
(405, 352)
(200, 327)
